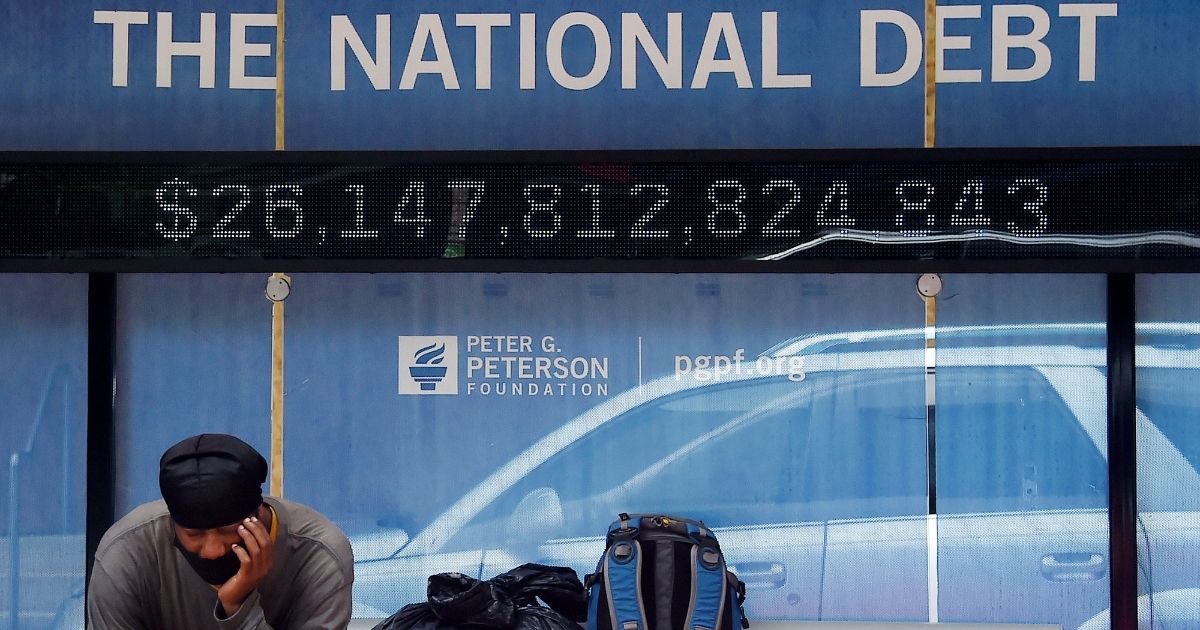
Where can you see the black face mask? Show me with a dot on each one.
(216, 572)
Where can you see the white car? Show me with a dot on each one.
(815, 481)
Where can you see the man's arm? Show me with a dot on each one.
(325, 601)
(327, 604)
(320, 598)
(249, 616)
(256, 554)
(112, 603)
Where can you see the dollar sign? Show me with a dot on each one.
(182, 223)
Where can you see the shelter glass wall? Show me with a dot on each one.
(43, 439)
(1168, 449)
(472, 422)
(1022, 476)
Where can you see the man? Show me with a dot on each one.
(214, 554)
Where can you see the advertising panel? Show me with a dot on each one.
(702, 74)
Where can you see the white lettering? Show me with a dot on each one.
(683, 365)
(483, 23)
(205, 50)
(1003, 40)
(869, 75)
(635, 33)
(554, 57)
(377, 68)
(473, 364)
(579, 367)
(955, 42)
(721, 25)
(239, 49)
(528, 51)
(120, 21)
(429, 28)
(1087, 14)
(770, 57)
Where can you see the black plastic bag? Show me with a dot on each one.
(558, 587)
(509, 601)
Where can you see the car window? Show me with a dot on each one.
(835, 445)
(1007, 442)
(839, 445)
(584, 474)
(851, 447)
(1170, 399)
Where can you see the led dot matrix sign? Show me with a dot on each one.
(904, 205)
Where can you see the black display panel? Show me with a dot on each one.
(762, 206)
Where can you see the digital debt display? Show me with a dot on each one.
(766, 206)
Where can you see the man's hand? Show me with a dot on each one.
(256, 554)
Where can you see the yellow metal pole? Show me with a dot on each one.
(279, 39)
(278, 287)
(930, 72)
(274, 284)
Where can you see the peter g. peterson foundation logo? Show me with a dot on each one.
(429, 365)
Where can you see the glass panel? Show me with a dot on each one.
(1168, 450)
(1022, 483)
(555, 401)
(193, 356)
(656, 458)
(43, 433)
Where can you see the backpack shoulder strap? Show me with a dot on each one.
(709, 586)
(621, 570)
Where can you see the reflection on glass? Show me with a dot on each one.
(43, 443)
(193, 355)
(1022, 476)
(1168, 451)
(812, 469)
(807, 459)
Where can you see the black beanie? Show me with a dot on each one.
(211, 480)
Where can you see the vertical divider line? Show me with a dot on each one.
(931, 532)
(279, 39)
(930, 73)
(100, 496)
(1122, 451)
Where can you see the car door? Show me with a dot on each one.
(1022, 494)
(866, 482)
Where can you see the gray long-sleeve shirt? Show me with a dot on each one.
(140, 581)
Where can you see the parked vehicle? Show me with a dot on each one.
(816, 484)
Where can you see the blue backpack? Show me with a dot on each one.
(663, 573)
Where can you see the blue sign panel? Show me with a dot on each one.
(112, 74)
(1069, 74)
(559, 74)
(600, 75)
(716, 74)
